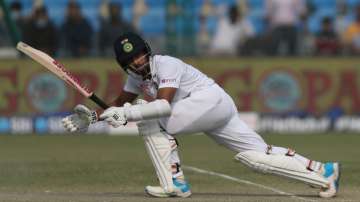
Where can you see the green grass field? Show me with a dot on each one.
(109, 168)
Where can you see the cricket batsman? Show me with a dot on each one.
(184, 100)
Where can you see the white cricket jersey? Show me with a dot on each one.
(208, 109)
(168, 71)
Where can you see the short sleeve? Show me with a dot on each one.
(169, 74)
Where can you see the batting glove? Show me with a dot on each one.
(115, 116)
(80, 120)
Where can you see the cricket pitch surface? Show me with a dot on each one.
(39, 168)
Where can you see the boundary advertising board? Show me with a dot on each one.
(268, 86)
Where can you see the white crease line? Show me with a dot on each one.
(228, 177)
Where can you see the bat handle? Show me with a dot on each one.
(98, 101)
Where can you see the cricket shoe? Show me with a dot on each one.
(331, 171)
(181, 189)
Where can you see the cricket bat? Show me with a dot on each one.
(58, 69)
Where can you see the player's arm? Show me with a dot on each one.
(170, 81)
(117, 116)
(124, 97)
(167, 94)
(83, 116)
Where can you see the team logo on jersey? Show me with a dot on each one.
(128, 47)
(168, 80)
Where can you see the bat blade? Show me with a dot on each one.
(58, 69)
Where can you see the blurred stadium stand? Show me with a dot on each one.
(153, 23)
(157, 11)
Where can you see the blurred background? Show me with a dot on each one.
(290, 65)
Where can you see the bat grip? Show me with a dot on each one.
(98, 101)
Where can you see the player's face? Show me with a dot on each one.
(140, 65)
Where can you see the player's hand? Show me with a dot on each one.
(80, 120)
(115, 116)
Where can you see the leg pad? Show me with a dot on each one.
(282, 165)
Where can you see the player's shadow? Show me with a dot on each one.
(197, 195)
(209, 195)
(203, 195)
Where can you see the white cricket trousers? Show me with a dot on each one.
(213, 112)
